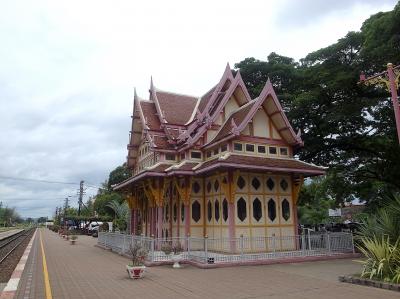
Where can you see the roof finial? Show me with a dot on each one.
(151, 83)
(228, 67)
(238, 75)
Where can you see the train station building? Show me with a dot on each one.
(220, 165)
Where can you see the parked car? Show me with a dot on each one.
(94, 227)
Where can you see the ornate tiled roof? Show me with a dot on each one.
(174, 123)
(261, 163)
(150, 115)
(176, 109)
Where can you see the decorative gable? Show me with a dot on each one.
(175, 123)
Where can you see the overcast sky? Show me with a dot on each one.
(68, 68)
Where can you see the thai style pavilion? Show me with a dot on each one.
(220, 165)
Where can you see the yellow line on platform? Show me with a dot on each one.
(45, 272)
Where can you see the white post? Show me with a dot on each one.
(352, 243)
(152, 249)
(241, 247)
(273, 242)
(188, 245)
(123, 245)
(206, 248)
(328, 242)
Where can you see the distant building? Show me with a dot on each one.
(347, 212)
(48, 223)
(220, 165)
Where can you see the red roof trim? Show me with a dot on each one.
(269, 90)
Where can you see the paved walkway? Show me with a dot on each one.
(85, 271)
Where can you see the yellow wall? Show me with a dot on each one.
(230, 106)
(210, 190)
(261, 124)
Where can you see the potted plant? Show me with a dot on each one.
(73, 239)
(138, 255)
(167, 249)
(177, 257)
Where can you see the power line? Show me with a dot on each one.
(35, 180)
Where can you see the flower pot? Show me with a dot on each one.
(176, 258)
(73, 242)
(135, 272)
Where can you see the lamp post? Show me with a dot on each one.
(390, 78)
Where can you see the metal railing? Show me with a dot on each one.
(213, 250)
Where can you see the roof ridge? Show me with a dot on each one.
(193, 112)
(176, 93)
(209, 90)
(281, 158)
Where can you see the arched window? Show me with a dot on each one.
(175, 212)
(196, 211)
(167, 212)
(209, 211)
(257, 210)
(285, 209)
(271, 209)
(208, 187)
(196, 187)
(182, 212)
(225, 209)
(216, 210)
(216, 185)
(241, 209)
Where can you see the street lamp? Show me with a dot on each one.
(390, 78)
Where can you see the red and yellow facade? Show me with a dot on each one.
(220, 165)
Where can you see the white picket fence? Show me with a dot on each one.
(208, 250)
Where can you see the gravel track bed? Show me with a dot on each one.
(8, 265)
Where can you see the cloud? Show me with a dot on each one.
(68, 69)
(306, 12)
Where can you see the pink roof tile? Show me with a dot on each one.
(177, 109)
(150, 115)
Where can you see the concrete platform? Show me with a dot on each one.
(85, 271)
(8, 233)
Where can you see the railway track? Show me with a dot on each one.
(11, 243)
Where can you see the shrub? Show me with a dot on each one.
(104, 227)
(383, 258)
(137, 254)
(166, 248)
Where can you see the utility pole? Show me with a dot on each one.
(390, 78)
(66, 206)
(80, 197)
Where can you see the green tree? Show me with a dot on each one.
(345, 126)
(102, 200)
(118, 175)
